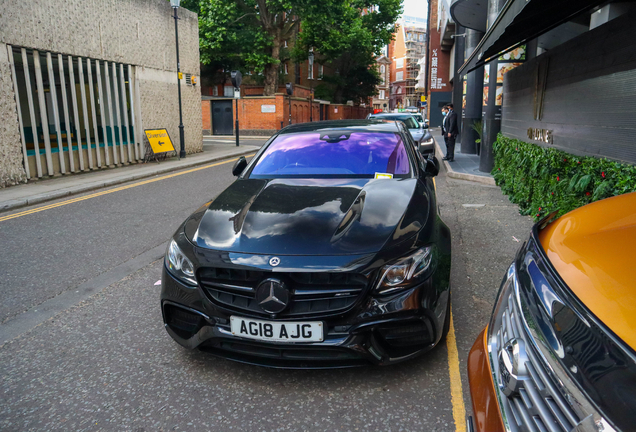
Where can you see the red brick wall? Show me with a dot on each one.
(251, 117)
(206, 116)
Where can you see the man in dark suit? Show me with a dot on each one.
(450, 133)
(444, 113)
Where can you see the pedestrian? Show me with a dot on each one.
(450, 132)
(444, 113)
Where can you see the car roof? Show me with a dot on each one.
(352, 125)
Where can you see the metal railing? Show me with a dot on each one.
(75, 113)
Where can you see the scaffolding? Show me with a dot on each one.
(415, 41)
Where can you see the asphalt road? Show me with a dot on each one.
(85, 349)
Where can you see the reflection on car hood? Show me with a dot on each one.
(592, 248)
(309, 216)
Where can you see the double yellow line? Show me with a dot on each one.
(109, 191)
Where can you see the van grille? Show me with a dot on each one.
(538, 405)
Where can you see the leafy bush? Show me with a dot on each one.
(542, 180)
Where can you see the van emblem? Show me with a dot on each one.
(512, 366)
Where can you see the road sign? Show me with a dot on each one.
(159, 140)
(237, 78)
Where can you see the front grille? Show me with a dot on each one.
(182, 321)
(407, 334)
(538, 405)
(313, 294)
(284, 356)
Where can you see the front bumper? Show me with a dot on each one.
(378, 331)
(487, 417)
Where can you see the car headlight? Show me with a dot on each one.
(179, 265)
(407, 271)
(428, 141)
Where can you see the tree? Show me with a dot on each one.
(246, 34)
(349, 37)
(250, 34)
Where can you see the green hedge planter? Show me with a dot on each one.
(542, 180)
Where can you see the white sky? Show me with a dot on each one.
(415, 8)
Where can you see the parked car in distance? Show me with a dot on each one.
(423, 123)
(327, 251)
(559, 353)
(420, 134)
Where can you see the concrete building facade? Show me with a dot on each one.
(80, 81)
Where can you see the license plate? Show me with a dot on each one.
(276, 331)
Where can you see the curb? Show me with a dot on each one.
(74, 190)
(450, 172)
(232, 137)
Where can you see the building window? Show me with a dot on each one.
(310, 71)
(321, 71)
(382, 69)
(286, 70)
(215, 91)
(421, 37)
(399, 76)
(381, 94)
(399, 63)
(228, 91)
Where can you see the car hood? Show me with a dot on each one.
(417, 134)
(592, 249)
(310, 216)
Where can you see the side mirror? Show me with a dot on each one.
(431, 166)
(239, 166)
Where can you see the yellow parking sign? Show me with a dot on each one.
(159, 140)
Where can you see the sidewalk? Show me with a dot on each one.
(49, 189)
(465, 166)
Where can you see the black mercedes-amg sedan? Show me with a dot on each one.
(327, 251)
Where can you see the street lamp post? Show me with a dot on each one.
(289, 87)
(237, 78)
(175, 5)
(311, 87)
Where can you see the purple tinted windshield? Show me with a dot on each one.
(336, 154)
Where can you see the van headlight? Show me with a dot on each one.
(179, 265)
(408, 271)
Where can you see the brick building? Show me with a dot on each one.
(405, 51)
(381, 99)
(264, 115)
(440, 89)
(76, 96)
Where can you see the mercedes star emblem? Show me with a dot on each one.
(272, 296)
(274, 261)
